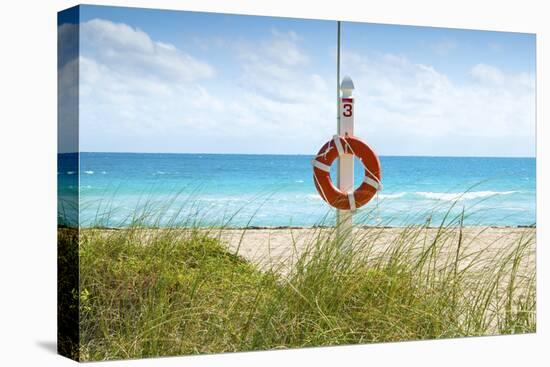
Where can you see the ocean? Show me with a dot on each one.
(278, 190)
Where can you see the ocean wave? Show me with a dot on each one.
(453, 196)
(89, 172)
(445, 196)
(70, 172)
(223, 199)
(392, 196)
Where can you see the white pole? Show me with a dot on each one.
(345, 162)
(344, 125)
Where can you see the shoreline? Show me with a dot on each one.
(519, 226)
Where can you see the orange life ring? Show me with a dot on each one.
(321, 172)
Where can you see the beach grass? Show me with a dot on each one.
(147, 292)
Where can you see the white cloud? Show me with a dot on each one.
(129, 50)
(132, 100)
(138, 94)
(284, 48)
(408, 108)
(487, 74)
(134, 91)
(293, 107)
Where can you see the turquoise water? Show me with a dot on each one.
(277, 190)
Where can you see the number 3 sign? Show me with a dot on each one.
(347, 107)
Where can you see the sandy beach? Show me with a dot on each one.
(277, 245)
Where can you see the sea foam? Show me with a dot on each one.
(392, 196)
(452, 196)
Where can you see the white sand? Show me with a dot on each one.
(277, 246)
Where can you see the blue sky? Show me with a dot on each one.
(172, 81)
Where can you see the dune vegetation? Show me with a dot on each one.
(147, 292)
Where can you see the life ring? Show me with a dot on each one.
(371, 183)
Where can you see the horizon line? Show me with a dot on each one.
(302, 154)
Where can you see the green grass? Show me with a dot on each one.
(146, 292)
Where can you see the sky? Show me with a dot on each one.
(173, 81)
